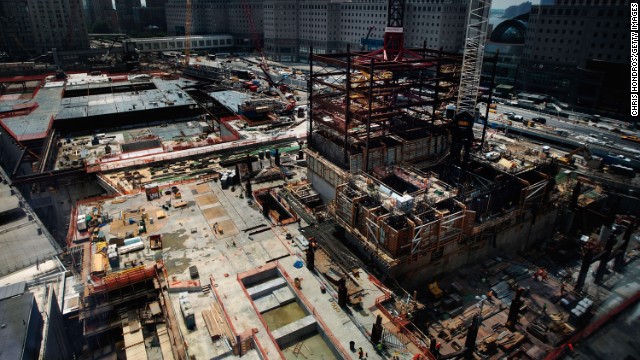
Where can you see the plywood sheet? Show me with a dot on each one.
(203, 188)
(213, 213)
(207, 199)
(228, 229)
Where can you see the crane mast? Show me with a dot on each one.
(187, 33)
(476, 35)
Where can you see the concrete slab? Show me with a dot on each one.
(257, 251)
(202, 188)
(227, 227)
(222, 260)
(213, 213)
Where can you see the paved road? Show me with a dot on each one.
(577, 131)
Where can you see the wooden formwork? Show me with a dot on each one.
(535, 187)
(325, 169)
(346, 206)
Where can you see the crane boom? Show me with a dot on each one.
(366, 39)
(187, 33)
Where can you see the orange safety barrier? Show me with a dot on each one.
(122, 278)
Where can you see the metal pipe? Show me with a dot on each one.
(436, 92)
(310, 95)
(371, 82)
(347, 115)
(584, 269)
(604, 259)
(486, 112)
(622, 250)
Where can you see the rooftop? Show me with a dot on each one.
(24, 241)
(155, 94)
(15, 316)
(83, 95)
(35, 125)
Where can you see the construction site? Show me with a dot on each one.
(210, 210)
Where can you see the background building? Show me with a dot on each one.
(33, 27)
(151, 17)
(102, 16)
(288, 28)
(124, 8)
(578, 52)
(506, 40)
(21, 324)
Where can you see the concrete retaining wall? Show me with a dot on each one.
(292, 333)
(265, 288)
(260, 276)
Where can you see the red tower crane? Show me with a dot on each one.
(187, 33)
(393, 49)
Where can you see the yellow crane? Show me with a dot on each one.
(187, 33)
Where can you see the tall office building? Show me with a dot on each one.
(216, 17)
(152, 15)
(124, 8)
(290, 27)
(578, 52)
(33, 27)
(101, 13)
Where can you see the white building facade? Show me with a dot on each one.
(289, 28)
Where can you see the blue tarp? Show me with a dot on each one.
(298, 264)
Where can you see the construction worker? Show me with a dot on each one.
(360, 353)
(379, 347)
(544, 308)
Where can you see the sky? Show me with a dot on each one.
(144, 3)
(503, 4)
